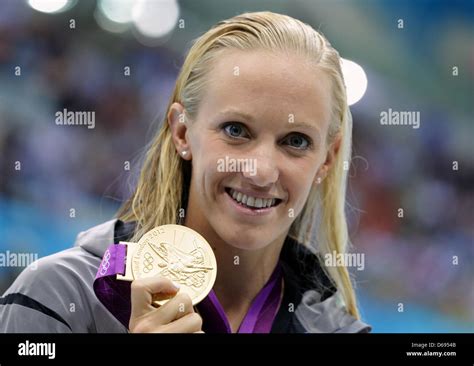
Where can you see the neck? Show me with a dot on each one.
(241, 274)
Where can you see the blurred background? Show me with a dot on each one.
(120, 59)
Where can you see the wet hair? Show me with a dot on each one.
(163, 184)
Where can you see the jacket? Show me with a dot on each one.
(55, 295)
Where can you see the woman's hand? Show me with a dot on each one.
(175, 316)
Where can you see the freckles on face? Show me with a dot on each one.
(265, 111)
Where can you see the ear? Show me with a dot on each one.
(331, 155)
(179, 126)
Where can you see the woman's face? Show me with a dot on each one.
(259, 137)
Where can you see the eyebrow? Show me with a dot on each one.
(249, 118)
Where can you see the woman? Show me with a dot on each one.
(264, 92)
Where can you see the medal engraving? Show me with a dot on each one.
(179, 254)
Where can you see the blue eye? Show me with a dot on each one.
(298, 141)
(234, 130)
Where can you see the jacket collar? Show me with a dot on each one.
(311, 295)
(96, 239)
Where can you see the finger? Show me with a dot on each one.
(160, 297)
(178, 307)
(190, 323)
(142, 291)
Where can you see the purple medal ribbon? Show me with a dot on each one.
(113, 293)
(260, 316)
(115, 296)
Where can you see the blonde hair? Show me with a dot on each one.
(164, 179)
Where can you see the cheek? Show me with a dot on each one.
(299, 184)
(203, 151)
(205, 167)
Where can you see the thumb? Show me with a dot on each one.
(145, 290)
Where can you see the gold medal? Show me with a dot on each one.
(177, 253)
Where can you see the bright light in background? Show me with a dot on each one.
(51, 6)
(155, 18)
(114, 16)
(355, 79)
(150, 20)
(117, 11)
(108, 25)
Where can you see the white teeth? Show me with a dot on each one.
(252, 201)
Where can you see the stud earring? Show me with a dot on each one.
(184, 152)
(318, 181)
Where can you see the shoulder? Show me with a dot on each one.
(327, 316)
(55, 294)
(69, 269)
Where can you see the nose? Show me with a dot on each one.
(266, 171)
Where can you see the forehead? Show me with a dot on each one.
(268, 84)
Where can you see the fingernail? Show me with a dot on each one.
(176, 285)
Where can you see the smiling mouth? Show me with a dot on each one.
(255, 203)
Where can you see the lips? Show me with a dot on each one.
(252, 202)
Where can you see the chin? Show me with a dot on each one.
(246, 239)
